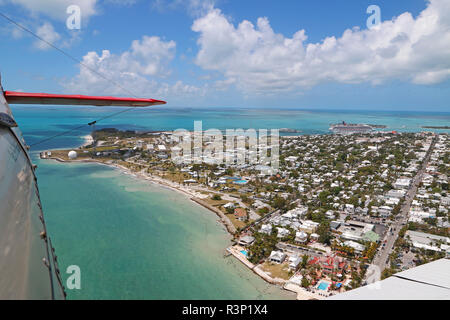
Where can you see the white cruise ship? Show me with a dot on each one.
(347, 128)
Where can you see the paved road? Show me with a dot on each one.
(380, 261)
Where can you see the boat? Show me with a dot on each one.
(348, 128)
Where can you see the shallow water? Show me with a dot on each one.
(136, 240)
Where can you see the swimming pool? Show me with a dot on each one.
(241, 182)
(323, 285)
(244, 252)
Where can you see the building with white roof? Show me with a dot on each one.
(301, 237)
(294, 262)
(428, 241)
(355, 245)
(309, 226)
(282, 233)
(246, 240)
(266, 228)
(402, 183)
(277, 257)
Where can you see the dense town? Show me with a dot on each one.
(338, 205)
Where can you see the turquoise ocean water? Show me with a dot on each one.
(41, 122)
(134, 240)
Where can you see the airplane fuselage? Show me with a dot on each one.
(28, 266)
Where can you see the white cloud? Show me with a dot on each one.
(48, 33)
(140, 70)
(148, 56)
(259, 60)
(56, 9)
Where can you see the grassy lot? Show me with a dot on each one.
(238, 224)
(63, 154)
(178, 177)
(103, 148)
(277, 270)
(215, 203)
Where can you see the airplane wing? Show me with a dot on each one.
(426, 282)
(62, 99)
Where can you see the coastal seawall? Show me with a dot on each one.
(230, 227)
(256, 269)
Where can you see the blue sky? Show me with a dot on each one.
(226, 53)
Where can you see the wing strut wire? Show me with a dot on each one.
(20, 26)
(68, 55)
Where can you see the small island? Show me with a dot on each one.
(288, 130)
(436, 127)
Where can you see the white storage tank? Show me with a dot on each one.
(72, 155)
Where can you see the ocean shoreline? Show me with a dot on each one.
(163, 183)
(193, 196)
(184, 190)
(196, 198)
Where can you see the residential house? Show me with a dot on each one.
(301, 237)
(266, 228)
(294, 262)
(277, 257)
(246, 240)
(240, 214)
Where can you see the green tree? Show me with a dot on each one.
(324, 232)
(305, 282)
(279, 203)
(304, 261)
